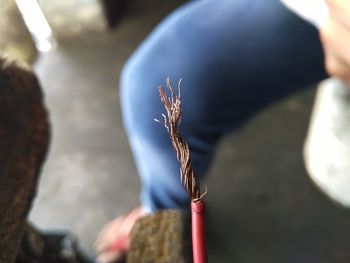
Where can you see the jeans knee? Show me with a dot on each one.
(125, 83)
(139, 98)
(128, 89)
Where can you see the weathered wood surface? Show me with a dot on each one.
(24, 137)
(163, 237)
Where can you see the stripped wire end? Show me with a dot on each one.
(172, 121)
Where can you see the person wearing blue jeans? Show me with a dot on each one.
(234, 58)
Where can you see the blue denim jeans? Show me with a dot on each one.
(235, 58)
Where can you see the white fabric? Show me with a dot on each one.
(327, 147)
(314, 11)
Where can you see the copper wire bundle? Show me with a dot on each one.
(189, 179)
(172, 121)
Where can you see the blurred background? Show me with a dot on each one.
(77, 49)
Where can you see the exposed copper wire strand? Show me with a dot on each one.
(172, 120)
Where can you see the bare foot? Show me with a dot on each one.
(114, 239)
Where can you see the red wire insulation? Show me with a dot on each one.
(199, 247)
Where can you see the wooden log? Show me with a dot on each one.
(161, 237)
(24, 138)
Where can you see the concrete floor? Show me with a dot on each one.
(15, 38)
(89, 176)
(262, 206)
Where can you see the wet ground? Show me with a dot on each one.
(262, 205)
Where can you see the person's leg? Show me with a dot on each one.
(235, 57)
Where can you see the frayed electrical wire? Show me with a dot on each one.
(172, 121)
